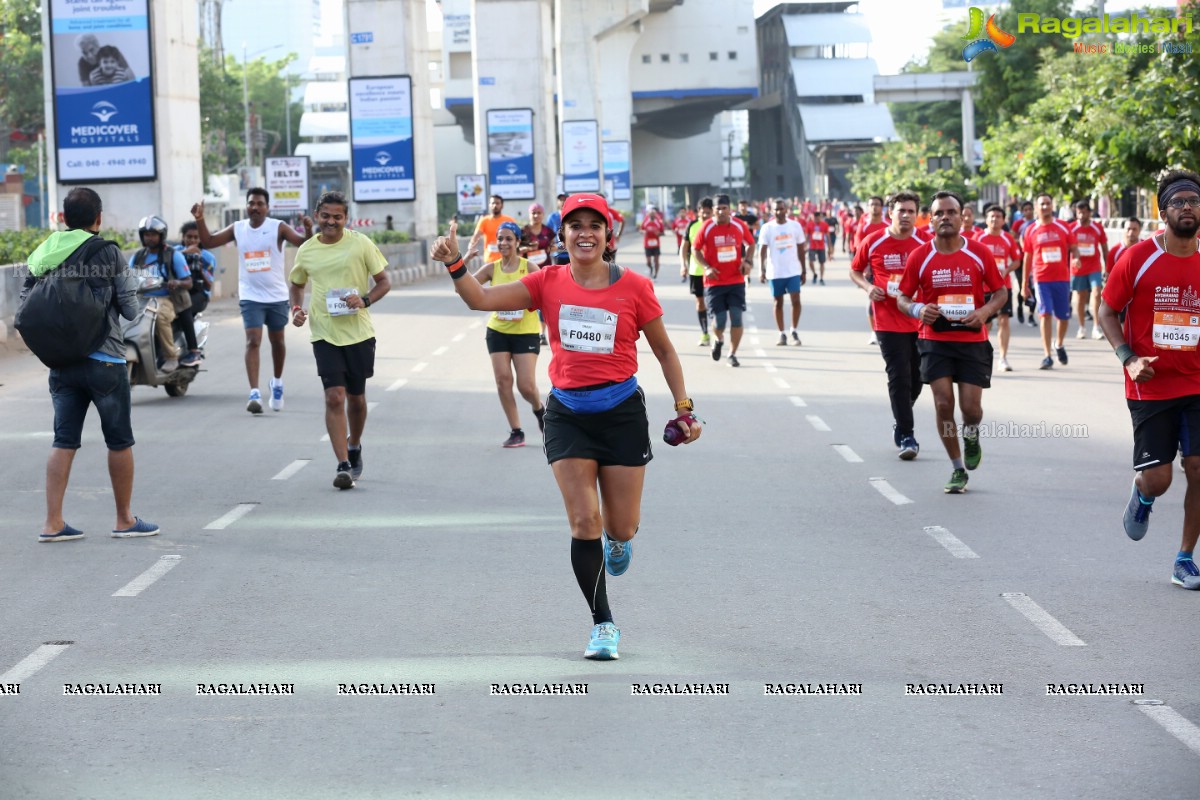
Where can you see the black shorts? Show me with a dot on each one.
(1162, 428)
(816, 255)
(964, 362)
(102, 384)
(653, 251)
(725, 297)
(618, 437)
(696, 285)
(348, 366)
(515, 343)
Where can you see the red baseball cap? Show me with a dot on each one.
(593, 201)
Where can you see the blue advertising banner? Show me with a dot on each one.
(616, 169)
(103, 91)
(581, 156)
(510, 153)
(381, 143)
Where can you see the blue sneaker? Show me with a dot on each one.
(139, 528)
(65, 535)
(276, 401)
(603, 644)
(617, 555)
(1186, 574)
(1137, 514)
(909, 448)
(254, 404)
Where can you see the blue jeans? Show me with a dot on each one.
(100, 383)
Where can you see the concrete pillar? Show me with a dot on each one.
(513, 67)
(398, 46)
(968, 128)
(179, 157)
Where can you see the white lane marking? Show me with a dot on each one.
(798, 402)
(136, 586)
(33, 662)
(398, 385)
(374, 404)
(845, 452)
(458, 337)
(754, 340)
(1172, 721)
(1041, 618)
(817, 423)
(221, 523)
(477, 323)
(291, 469)
(441, 351)
(758, 351)
(951, 542)
(770, 368)
(884, 488)
(324, 438)
(782, 384)
(420, 365)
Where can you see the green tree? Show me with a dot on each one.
(22, 107)
(906, 166)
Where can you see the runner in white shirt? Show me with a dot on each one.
(262, 283)
(781, 260)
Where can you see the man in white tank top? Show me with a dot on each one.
(262, 284)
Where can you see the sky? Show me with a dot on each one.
(904, 30)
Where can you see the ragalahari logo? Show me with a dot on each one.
(977, 43)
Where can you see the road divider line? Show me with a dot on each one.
(1042, 619)
(770, 368)
(420, 366)
(782, 384)
(136, 586)
(458, 337)
(886, 489)
(476, 324)
(1171, 720)
(34, 661)
(798, 402)
(221, 523)
(291, 469)
(441, 351)
(754, 341)
(951, 542)
(398, 385)
(758, 351)
(847, 453)
(817, 422)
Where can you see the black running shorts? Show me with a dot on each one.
(347, 366)
(617, 437)
(1162, 428)
(964, 362)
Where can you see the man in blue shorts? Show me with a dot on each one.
(781, 260)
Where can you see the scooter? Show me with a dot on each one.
(141, 344)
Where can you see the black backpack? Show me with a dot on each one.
(64, 317)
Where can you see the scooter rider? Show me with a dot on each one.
(155, 254)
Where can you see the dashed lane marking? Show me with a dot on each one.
(239, 511)
(951, 542)
(1042, 619)
(139, 584)
(291, 469)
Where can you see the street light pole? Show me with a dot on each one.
(246, 110)
(287, 111)
(729, 168)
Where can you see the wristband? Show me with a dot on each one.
(458, 273)
(297, 308)
(1124, 353)
(915, 310)
(367, 301)
(685, 404)
(452, 264)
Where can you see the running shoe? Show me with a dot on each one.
(822, 281)
(1047, 363)
(139, 528)
(1185, 574)
(703, 340)
(782, 340)
(344, 479)
(716, 351)
(191, 360)
(542, 340)
(354, 455)
(1137, 514)
(254, 406)
(515, 439)
(65, 535)
(872, 340)
(617, 555)
(1033, 323)
(957, 483)
(1061, 352)
(733, 361)
(972, 452)
(1004, 367)
(276, 400)
(1081, 334)
(909, 448)
(795, 336)
(603, 644)
(540, 413)
(1098, 334)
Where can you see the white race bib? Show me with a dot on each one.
(511, 316)
(651, 241)
(587, 330)
(1087, 250)
(1176, 331)
(257, 260)
(1051, 255)
(727, 255)
(893, 287)
(956, 307)
(536, 256)
(336, 305)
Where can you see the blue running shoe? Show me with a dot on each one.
(1137, 514)
(1186, 574)
(617, 555)
(603, 645)
(909, 448)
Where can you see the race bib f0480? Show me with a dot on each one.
(587, 330)
(336, 305)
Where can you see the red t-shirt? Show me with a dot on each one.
(1004, 248)
(1050, 245)
(614, 217)
(724, 247)
(866, 228)
(680, 226)
(971, 232)
(886, 255)
(602, 325)
(651, 230)
(1115, 252)
(1090, 239)
(816, 232)
(1158, 293)
(956, 282)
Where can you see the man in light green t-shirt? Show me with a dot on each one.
(348, 275)
(690, 268)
